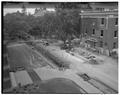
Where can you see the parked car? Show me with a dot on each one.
(93, 61)
(68, 46)
(12, 70)
(90, 57)
(19, 68)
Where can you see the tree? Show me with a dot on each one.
(69, 15)
(64, 23)
(14, 24)
(36, 10)
(46, 25)
(24, 10)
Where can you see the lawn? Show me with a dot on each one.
(6, 84)
(52, 86)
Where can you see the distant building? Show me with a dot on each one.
(105, 6)
(101, 29)
(42, 12)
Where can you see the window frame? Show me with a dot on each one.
(101, 43)
(115, 34)
(93, 32)
(102, 21)
(101, 33)
(116, 21)
(114, 45)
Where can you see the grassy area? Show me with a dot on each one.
(23, 56)
(5, 61)
(53, 86)
(19, 56)
(6, 73)
(61, 85)
(6, 84)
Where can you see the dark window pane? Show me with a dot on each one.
(101, 33)
(115, 33)
(102, 20)
(93, 31)
(101, 44)
(116, 21)
(114, 45)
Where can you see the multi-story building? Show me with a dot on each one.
(101, 28)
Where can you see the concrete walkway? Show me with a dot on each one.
(23, 78)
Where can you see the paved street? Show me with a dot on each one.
(77, 65)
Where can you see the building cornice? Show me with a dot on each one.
(95, 13)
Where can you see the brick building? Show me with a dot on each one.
(101, 29)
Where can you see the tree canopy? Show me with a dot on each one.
(63, 23)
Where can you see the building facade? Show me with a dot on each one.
(101, 29)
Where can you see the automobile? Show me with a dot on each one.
(12, 70)
(90, 57)
(84, 76)
(64, 46)
(19, 68)
(68, 46)
(93, 61)
(47, 44)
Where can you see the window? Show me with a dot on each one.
(115, 33)
(101, 44)
(114, 45)
(86, 32)
(101, 9)
(93, 31)
(101, 33)
(116, 21)
(102, 20)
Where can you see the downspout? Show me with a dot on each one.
(107, 33)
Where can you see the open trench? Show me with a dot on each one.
(57, 62)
